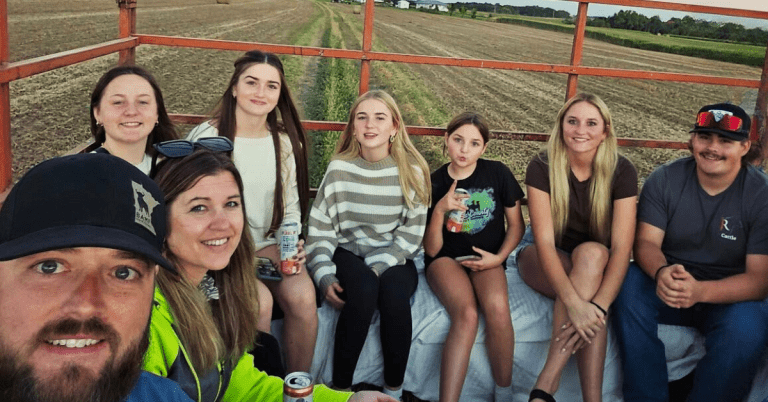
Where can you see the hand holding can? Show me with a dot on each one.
(456, 217)
(288, 237)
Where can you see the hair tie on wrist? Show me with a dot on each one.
(605, 313)
(656, 275)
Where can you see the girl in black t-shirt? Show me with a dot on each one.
(581, 199)
(465, 265)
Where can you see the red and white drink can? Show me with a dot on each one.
(288, 236)
(456, 218)
(298, 387)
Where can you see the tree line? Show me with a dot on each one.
(686, 26)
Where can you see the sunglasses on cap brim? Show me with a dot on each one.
(726, 122)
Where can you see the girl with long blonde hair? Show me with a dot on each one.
(581, 199)
(365, 228)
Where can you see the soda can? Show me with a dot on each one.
(298, 387)
(288, 236)
(456, 218)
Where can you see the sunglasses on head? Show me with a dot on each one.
(181, 148)
(725, 122)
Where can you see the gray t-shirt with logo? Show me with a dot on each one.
(709, 235)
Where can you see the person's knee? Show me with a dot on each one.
(299, 301)
(745, 331)
(496, 311)
(265, 302)
(590, 258)
(465, 317)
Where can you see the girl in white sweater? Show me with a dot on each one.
(271, 156)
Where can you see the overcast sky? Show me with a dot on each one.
(602, 10)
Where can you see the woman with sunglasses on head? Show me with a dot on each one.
(466, 260)
(581, 199)
(128, 115)
(272, 157)
(365, 227)
(202, 318)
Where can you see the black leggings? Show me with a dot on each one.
(363, 293)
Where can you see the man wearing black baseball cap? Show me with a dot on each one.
(701, 260)
(80, 241)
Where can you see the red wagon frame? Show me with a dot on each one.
(128, 40)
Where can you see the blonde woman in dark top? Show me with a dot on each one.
(581, 199)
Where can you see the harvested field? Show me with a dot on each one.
(50, 111)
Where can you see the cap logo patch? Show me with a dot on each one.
(718, 114)
(144, 204)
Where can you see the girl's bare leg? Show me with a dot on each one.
(585, 269)
(491, 292)
(449, 281)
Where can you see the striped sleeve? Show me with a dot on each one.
(322, 238)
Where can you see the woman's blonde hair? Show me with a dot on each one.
(406, 156)
(603, 167)
(224, 329)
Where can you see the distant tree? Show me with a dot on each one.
(600, 22)
(462, 10)
(474, 13)
(654, 25)
(451, 8)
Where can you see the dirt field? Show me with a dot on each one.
(50, 111)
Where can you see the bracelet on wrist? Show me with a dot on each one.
(656, 275)
(605, 313)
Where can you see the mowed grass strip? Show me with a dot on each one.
(332, 94)
(722, 51)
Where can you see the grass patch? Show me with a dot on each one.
(707, 49)
(333, 92)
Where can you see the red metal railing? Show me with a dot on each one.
(129, 40)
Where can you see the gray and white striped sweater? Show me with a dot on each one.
(360, 208)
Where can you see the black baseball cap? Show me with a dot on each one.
(719, 119)
(85, 200)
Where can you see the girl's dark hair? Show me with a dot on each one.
(163, 131)
(220, 330)
(224, 119)
(472, 118)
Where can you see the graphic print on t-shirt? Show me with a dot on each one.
(729, 227)
(481, 205)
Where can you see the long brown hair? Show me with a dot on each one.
(163, 131)
(290, 123)
(223, 329)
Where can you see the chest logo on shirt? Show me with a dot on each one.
(481, 206)
(727, 228)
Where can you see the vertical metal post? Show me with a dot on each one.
(576, 51)
(6, 157)
(365, 65)
(127, 22)
(761, 110)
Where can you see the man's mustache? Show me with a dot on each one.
(94, 327)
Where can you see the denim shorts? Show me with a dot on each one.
(526, 241)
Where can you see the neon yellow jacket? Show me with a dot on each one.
(167, 357)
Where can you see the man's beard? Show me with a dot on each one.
(115, 380)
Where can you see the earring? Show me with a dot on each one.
(391, 139)
(98, 123)
(157, 122)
